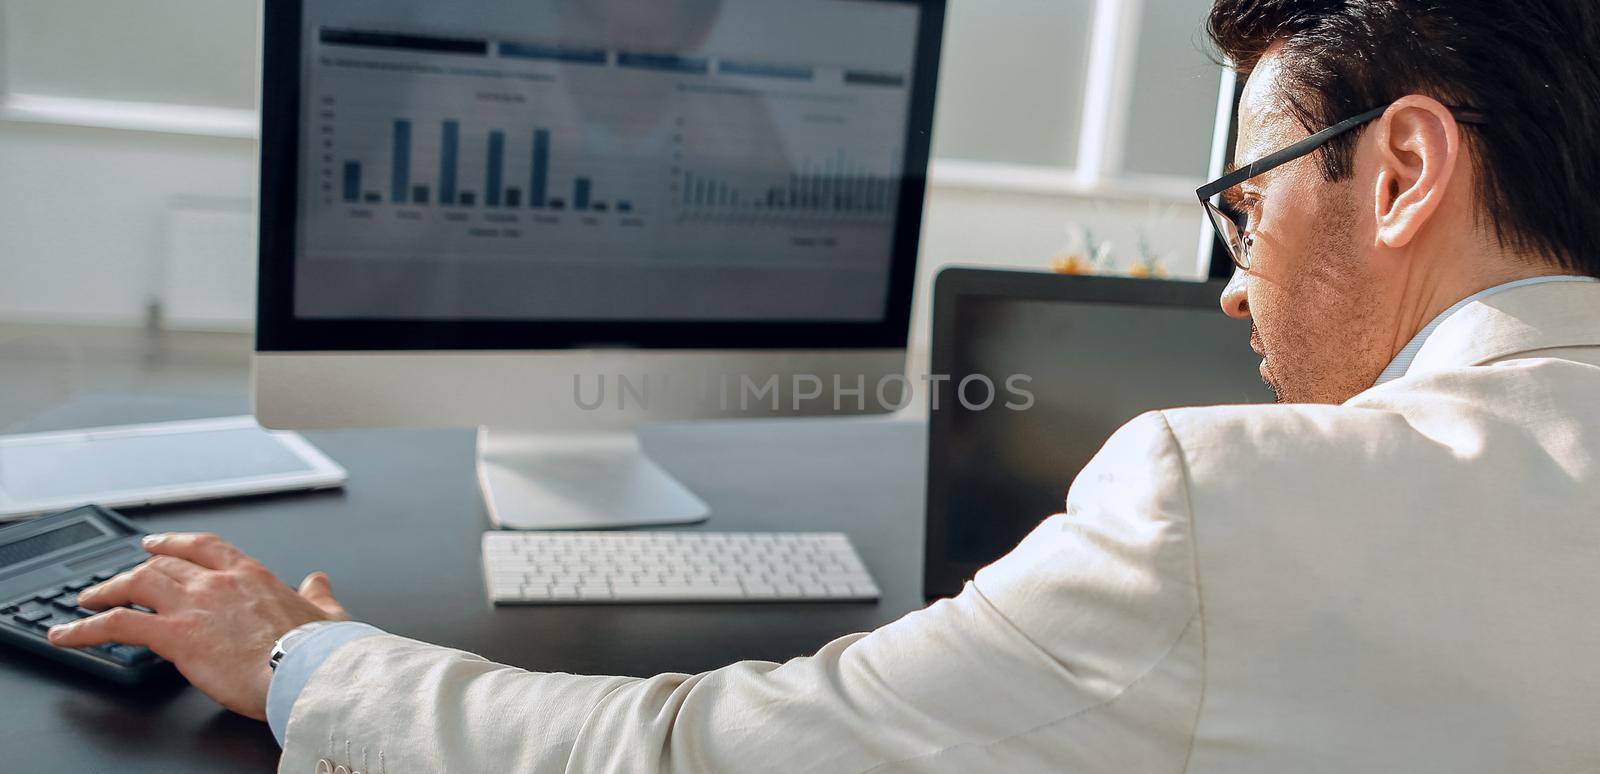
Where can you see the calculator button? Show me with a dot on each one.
(67, 602)
(79, 584)
(45, 595)
(31, 616)
(104, 575)
(126, 654)
(8, 610)
(115, 653)
(55, 619)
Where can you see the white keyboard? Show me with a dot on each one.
(544, 568)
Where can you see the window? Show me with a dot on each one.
(183, 52)
(1011, 80)
(1172, 110)
(1104, 91)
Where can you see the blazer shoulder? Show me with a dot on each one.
(1254, 430)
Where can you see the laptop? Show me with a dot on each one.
(1043, 369)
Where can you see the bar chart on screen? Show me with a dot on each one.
(476, 149)
(528, 187)
(815, 190)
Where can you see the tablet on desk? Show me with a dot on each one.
(167, 462)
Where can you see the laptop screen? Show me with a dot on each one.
(1066, 373)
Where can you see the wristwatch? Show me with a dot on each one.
(287, 641)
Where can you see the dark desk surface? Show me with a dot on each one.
(401, 543)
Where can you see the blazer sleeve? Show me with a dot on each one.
(1078, 651)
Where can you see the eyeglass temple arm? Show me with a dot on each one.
(1309, 144)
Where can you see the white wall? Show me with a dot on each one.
(83, 214)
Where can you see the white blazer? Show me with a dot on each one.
(1409, 582)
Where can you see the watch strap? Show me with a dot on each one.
(281, 648)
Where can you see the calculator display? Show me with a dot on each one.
(47, 542)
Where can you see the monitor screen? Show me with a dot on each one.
(1088, 367)
(572, 161)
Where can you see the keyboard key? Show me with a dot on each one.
(45, 595)
(761, 591)
(675, 593)
(79, 584)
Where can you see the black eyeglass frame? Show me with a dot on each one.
(1278, 158)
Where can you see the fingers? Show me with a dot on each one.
(180, 570)
(318, 590)
(202, 548)
(143, 585)
(120, 624)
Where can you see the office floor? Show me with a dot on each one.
(50, 375)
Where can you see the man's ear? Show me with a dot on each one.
(1417, 143)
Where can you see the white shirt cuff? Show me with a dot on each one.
(300, 662)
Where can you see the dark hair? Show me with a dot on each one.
(1533, 66)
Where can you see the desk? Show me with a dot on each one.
(401, 543)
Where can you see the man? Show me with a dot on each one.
(1398, 569)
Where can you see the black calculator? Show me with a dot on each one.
(45, 562)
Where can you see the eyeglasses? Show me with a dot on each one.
(1234, 236)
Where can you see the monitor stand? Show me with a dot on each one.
(578, 481)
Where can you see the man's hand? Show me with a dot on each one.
(217, 613)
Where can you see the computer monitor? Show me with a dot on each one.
(559, 218)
